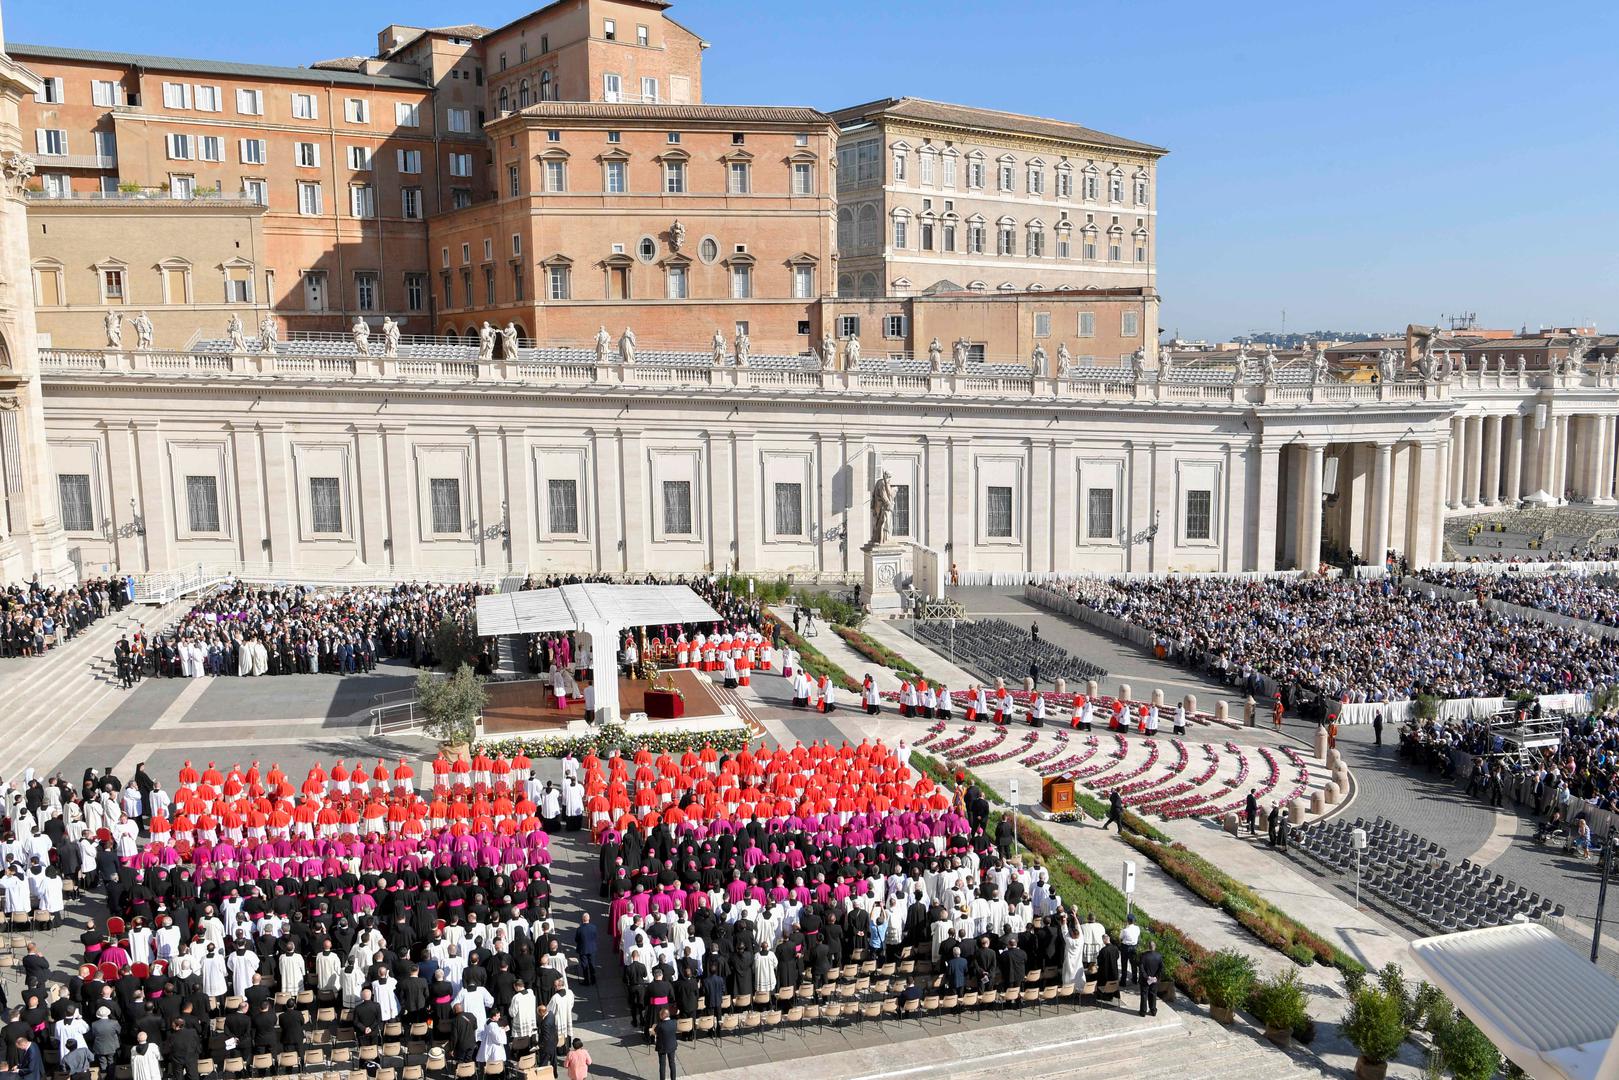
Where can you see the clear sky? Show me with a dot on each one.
(1359, 166)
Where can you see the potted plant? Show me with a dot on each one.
(1279, 1004)
(1466, 1051)
(450, 708)
(1174, 956)
(1376, 1027)
(1226, 977)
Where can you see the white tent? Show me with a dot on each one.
(601, 613)
(1546, 1007)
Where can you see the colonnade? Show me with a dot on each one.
(1537, 456)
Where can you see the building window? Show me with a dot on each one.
(1065, 183)
(556, 176)
(741, 282)
(517, 281)
(1099, 514)
(362, 201)
(365, 291)
(1199, 514)
(925, 238)
(407, 114)
(1130, 324)
(737, 183)
(1042, 324)
(460, 164)
(893, 326)
(677, 507)
(415, 292)
(998, 512)
(466, 287)
(445, 493)
(513, 181)
(489, 285)
(325, 504)
(460, 120)
(674, 177)
(803, 178)
(975, 174)
(103, 92)
(410, 203)
(182, 187)
(253, 151)
(257, 191)
(202, 504)
(303, 107)
(1037, 242)
(610, 29)
(357, 111)
(176, 95)
(901, 230)
(360, 158)
(1093, 186)
(1006, 240)
(557, 282)
(315, 290)
(975, 238)
(617, 178)
(1141, 193)
(803, 282)
(949, 163)
(789, 509)
(848, 326)
(1089, 247)
(562, 501)
(112, 285)
(307, 155)
(709, 249)
(308, 197)
(73, 499)
(649, 91)
(460, 198)
(899, 166)
(927, 159)
(1115, 188)
(1007, 176)
(678, 284)
(641, 36)
(179, 146)
(1037, 180)
(612, 86)
(646, 249)
(1087, 324)
(900, 515)
(410, 161)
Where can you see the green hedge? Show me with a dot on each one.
(931, 766)
(614, 736)
(876, 651)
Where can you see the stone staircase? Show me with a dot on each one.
(56, 701)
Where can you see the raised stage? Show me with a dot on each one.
(525, 707)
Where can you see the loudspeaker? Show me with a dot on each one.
(1329, 476)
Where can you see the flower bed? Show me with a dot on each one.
(997, 736)
(984, 758)
(1059, 742)
(1273, 776)
(1183, 800)
(949, 745)
(1121, 748)
(1073, 761)
(812, 659)
(932, 733)
(1121, 781)
(616, 737)
(1145, 785)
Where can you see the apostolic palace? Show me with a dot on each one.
(488, 299)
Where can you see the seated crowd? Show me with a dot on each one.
(262, 630)
(35, 618)
(1341, 639)
(1577, 596)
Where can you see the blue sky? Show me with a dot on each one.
(1358, 166)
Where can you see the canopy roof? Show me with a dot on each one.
(590, 606)
(1545, 1006)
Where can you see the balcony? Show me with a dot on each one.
(157, 196)
(77, 161)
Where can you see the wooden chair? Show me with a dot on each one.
(832, 1012)
(705, 1023)
(871, 1010)
(729, 1023)
(684, 1027)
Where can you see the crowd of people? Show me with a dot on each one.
(1316, 640)
(1578, 596)
(301, 630)
(36, 618)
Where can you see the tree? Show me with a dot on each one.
(450, 706)
(455, 643)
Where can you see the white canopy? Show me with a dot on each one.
(582, 607)
(1546, 1007)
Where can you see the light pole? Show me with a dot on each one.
(1602, 893)
(952, 641)
(1358, 839)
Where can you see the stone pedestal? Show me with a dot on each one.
(1320, 743)
(1295, 811)
(1062, 685)
(1230, 823)
(1331, 793)
(1190, 702)
(885, 565)
(1090, 688)
(1222, 711)
(1158, 698)
(1317, 804)
(1124, 691)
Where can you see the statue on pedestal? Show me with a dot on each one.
(1065, 361)
(718, 346)
(1578, 349)
(959, 352)
(390, 338)
(269, 332)
(361, 335)
(677, 235)
(1245, 364)
(1166, 364)
(604, 341)
(508, 341)
(1138, 363)
(143, 331)
(829, 352)
(935, 352)
(1039, 361)
(882, 507)
(851, 353)
(626, 346)
(744, 348)
(1267, 366)
(233, 331)
(1523, 364)
(486, 341)
(1318, 364)
(1388, 369)
(114, 322)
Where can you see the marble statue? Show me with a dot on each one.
(829, 353)
(486, 341)
(626, 346)
(233, 331)
(1388, 365)
(1038, 360)
(744, 348)
(882, 507)
(718, 345)
(1065, 365)
(508, 341)
(604, 341)
(959, 353)
(361, 333)
(269, 332)
(677, 235)
(1138, 363)
(1166, 364)
(935, 353)
(1267, 366)
(1523, 364)
(1578, 349)
(1318, 364)
(1245, 364)
(1427, 365)
(390, 338)
(143, 331)
(114, 323)
(851, 353)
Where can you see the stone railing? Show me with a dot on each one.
(664, 377)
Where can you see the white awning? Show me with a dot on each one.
(576, 607)
(1546, 1007)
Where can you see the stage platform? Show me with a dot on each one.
(527, 707)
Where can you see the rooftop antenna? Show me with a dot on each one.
(1465, 320)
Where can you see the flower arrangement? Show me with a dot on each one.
(1119, 751)
(932, 733)
(1104, 785)
(1058, 743)
(982, 758)
(615, 736)
(1072, 761)
(949, 745)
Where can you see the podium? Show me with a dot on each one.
(1057, 794)
(664, 705)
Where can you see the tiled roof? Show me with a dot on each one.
(596, 110)
(206, 67)
(466, 30)
(341, 63)
(941, 112)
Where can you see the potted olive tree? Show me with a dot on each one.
(1227, 977)
(1279, 1004)
(450, 708)
(1376, 1027)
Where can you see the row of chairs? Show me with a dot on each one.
(1002, 650)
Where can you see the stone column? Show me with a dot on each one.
(488, 493)
(1513, 438)
(1555, 451)
(747, 501)
(1491, 495)
(249, 496)
(1544, 461)
(155, 511)
(1458, 445)
(404, 519)
(722, 502)
(518, 466)
(1264, 502)
(1605, 482)
(1472, 465)
(1382, 465)
(1427, 503)
(1065, 506)
(1309, 553)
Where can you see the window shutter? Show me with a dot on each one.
(39, 140)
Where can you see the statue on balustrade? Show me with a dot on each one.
(882, 508)
(959, 352)
(143, 331)
(935, 353)
(851, 353)
(486, 341)
(1319, 367)
(1245, 364)
(233, 331)
(1388, 366)
(1065, 362)
(1039, 360)
(269, 332)
(509, 341)
(361, 333)
(390, 338)
(114, 323)
(626, 346)
(829, 353)
(718, 346)
(604, 342)
(1166, 364)
(744, 348)
(1267, 366)
(1578, 349)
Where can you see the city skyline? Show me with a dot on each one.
(1344, 192)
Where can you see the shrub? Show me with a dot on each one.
(450, 706)
(833, 609)
(455, 643)
(1466, 1051)
(1428, 1008)
(1226, 977)
(1354, 981)
(1375, 1025)
(1279, 1003)
(876, 651)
